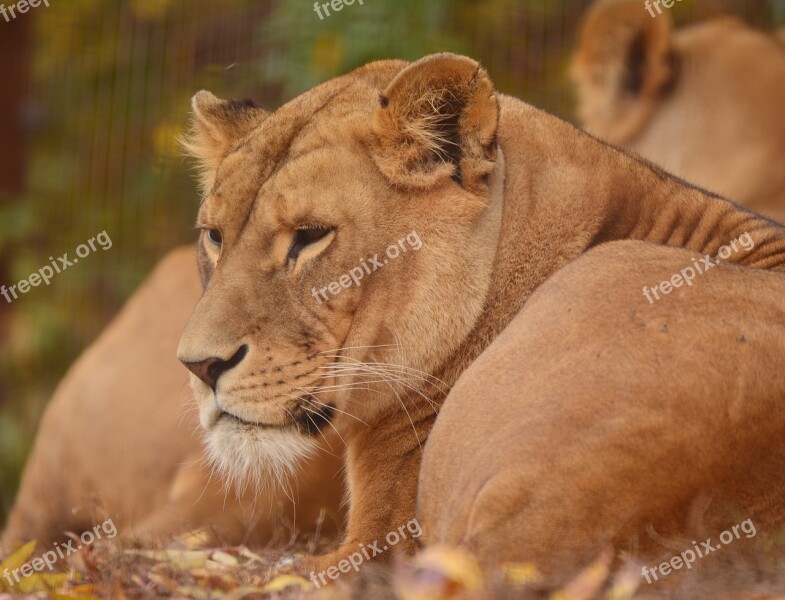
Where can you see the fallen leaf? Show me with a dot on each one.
(439, 573)
(224, 559)
(182, 559)
(242, 592)
(18, 558)
(284, 581)
(212, 579)
(246, 553)
(194, 540)
(43, 582)
(589, 582)
(193, 592)
(626, 582)
(70, 596)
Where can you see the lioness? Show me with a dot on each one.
(502, 196)
(705, 102)
(117, 442)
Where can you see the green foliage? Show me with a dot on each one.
(17, 223)
(345, 40)
(778, 11)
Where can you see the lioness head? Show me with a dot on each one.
(345, 251)
(704, 101)
(622, 67)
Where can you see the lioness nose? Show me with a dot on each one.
(210, 369)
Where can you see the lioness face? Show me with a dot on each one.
(343, 253)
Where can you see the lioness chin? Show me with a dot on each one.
(502, 196)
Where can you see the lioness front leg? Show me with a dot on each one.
(383, 467)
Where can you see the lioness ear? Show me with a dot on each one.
(217, 125)
(622, 65)
(437, 119)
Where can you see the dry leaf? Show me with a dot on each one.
(518, 574)
(626, 582)
(35, 582)
(284, 581)
(246, 553)
(182, 559)
(439, 573)
(224, 559)
(242, 592)
(589, 582)
(195, 540)
(18, 558)
(72, 596)
(212, 579)
(42, 582)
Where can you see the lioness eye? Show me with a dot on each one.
(215, 236)
(306, 237)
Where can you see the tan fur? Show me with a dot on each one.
(600, 418)
(501, 194)
(710, 104)
(117, 441)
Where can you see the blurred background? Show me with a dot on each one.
(94, 94)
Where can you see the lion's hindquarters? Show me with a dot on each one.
(596, 414)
